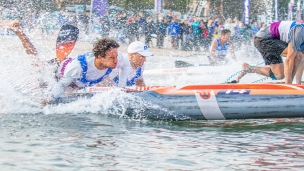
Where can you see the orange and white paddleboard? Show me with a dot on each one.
(218, 101)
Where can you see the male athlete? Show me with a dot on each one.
(281, 38)
(219, 48)
(130, 70)
(87, 69)
(93, 68)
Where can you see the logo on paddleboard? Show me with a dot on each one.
(204, 95)
(233, 92)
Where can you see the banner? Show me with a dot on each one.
(246, 11)
(299, 12)
(276, 15)
(290, 9)
(99, 7)
(158, 5)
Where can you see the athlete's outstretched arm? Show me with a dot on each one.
(15, 27)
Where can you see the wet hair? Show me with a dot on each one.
(225, 31)
(103, 45)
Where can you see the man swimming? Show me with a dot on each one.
(219, 49)
(281, 38)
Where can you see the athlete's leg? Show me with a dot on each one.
(284, 53)
(270, 49)
(275, 71)
(15, 27)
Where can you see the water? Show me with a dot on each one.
(103, 142)
(95, 134)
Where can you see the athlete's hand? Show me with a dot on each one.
(140, 82)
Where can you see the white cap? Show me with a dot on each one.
(139, 47)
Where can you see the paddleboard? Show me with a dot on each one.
(216, 101)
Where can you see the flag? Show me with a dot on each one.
(246, 11)
(290, 9)
(276, 14)
(99, 7)
(157, 5)
(299, 12)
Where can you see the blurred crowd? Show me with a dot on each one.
(189, 34)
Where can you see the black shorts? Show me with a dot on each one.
(270, 49)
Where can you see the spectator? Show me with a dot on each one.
(174, 32)
(62, 18)
(161, 29)
(29, 20)
(186, 29)
(196, 33)
(42, 21)
(73, 20)
(142, 23)
(169, 16)
(246, 34)
(150, 29)
(237, 34)
(255, 28)
(132, 28)
(230, 26)
(205, 39)
(105, 26)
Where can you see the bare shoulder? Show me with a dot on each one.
(214, 43)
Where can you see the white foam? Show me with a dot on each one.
(20, 91)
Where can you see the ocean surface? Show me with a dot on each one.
(95, 134)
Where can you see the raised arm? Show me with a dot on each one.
(15, 27)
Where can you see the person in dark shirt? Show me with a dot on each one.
(169, 16)
(161, 29)
(132, 28)
(86, 22)
(150, 29)
(105, 26)
(142, 23)
(185, 29)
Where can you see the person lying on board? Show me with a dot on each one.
(87, 69)
(281, 38)
(131, 74)
(219, 49)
